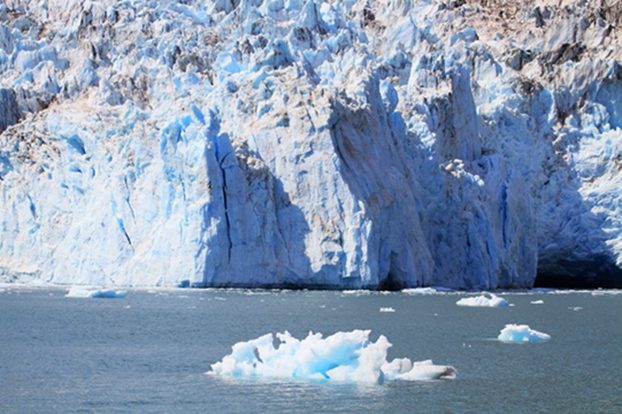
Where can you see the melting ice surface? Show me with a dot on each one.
(492, 302)
(344, 356)
(81, 292)
(521, 333)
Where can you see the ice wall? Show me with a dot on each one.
(310, 144)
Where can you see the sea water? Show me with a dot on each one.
(148, 352)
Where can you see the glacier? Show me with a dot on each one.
(384, 144)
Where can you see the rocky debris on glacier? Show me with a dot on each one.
(327, 144)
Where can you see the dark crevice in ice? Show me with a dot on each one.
(597, 272)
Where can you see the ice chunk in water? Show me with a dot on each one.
(81, 292)
(521, 333)
(483, 301)
(344, 356)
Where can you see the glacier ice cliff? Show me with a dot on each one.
(471, 144)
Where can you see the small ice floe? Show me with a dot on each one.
(543, 290)
(576, 308)
(602, 292)
(387, 310)
(426, 290)
(356, 292)
(483, 301)
(81, 292)
(420, 290)
(344, 356)
(521, 333)
(537, 302)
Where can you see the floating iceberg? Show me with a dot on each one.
(389, 309)
(493, 302)
(344, 356)
(521, 333)
(537, 302)
(80, 292)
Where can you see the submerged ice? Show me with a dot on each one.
(344, 356)
(328, 144)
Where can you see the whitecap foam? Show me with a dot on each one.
(483, 301)
(344, 356)
(521, 333)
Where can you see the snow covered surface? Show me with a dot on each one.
(493, 301)
(82, 292)
(521, 333)
(343, 356)
(327, 144)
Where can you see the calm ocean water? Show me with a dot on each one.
(148, 352)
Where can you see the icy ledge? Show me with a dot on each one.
(344, 356)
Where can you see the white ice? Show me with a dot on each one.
(344, 356)
(426, 290)
(483, 301)
(521, 333)
(389, 309)
(81, 292)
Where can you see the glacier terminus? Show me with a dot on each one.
(340, 144)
